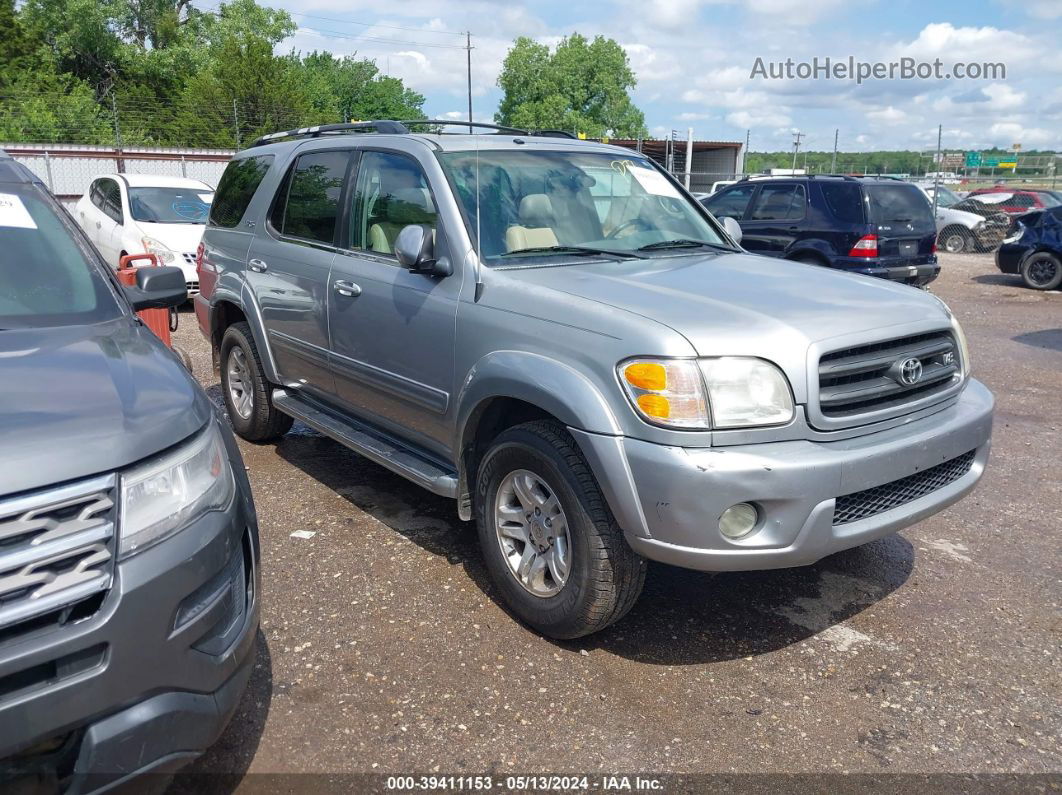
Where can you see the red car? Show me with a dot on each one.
(1019, 201)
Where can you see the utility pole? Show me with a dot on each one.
(236, 123)
(936, 173)
(833, 163)
(744, 153)
(468, 54)
(689, 156)
(796, 148)
(117, 136)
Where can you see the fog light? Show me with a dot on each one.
(738, 520)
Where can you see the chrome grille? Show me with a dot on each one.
(869, 378)
(869, 502)
(192, 287)
(56, 548)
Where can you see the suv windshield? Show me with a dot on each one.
(946, 197)
(170, 205)
(560, 204)
(899, 204)
(46, 277)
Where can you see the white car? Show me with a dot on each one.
(137, 213)
(958, 230)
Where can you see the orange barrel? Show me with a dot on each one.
(158, 320)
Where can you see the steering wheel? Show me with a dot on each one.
(625, 225)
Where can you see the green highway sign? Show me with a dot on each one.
(973, 159)
(977, 160)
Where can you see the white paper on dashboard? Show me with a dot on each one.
(653, 182)
(14, 213)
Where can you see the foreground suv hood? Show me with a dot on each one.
(81, 400)
(745, 305)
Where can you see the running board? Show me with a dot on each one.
(365, 442)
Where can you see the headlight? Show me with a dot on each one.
(161, 496)
(728, 392)
(744, 391)
(666, 391)
(152, 246)
(964, 349)
(1015, 234)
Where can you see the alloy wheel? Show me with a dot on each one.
(533, 533)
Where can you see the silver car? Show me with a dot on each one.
(556, 335)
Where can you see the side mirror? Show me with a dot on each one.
(157, 288)
(415, 249)
(733, 228)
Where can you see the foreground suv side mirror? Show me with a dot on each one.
(415, 249)
(733, 228)
(157, 288)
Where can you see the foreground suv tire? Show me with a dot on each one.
(550, 543)
(246, 390)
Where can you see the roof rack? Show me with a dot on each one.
(389, 127)
(392, 127)
(847, 177)
(496, 127)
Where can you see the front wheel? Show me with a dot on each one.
(955, 240)
(1042, 271)
(550, 543)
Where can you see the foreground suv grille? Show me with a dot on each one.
(56, 551)
(870, 502)
(886, 375)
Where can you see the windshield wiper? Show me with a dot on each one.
(683, 242)
(582, 251)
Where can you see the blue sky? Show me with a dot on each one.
(693, 59)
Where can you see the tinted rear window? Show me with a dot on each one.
(898, 204)
(844, 200)
(47, 273)
(307, 203)
(236, 189)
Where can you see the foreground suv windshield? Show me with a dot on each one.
(46, 278)
(170, 205)
(546, 203)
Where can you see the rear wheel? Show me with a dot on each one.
(1042, 271)
(550, 543)
(246, 390)
(955, 239)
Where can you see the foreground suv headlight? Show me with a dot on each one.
(728, 392)
(745, 392)
(166, 493)
(964, 349)
(152, 246)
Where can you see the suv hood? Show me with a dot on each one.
(746, 305)
(83, 400)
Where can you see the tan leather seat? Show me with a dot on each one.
(403, 207)
(535, 229)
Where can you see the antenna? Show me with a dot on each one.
(479, 239)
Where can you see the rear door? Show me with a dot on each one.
(775, 218)
(902, 218)
(289, 261)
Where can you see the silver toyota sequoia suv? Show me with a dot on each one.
(556, 335)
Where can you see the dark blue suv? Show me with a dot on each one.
(876, 226)
(1033, 249)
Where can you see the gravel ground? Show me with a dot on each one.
(383, 648)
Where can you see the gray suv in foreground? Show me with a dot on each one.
(557, 336)
(128, 538)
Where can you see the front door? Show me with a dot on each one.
(108, 223)
(392, 331)
(288, 264)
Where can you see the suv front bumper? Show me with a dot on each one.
(680, 493)
(160, 667)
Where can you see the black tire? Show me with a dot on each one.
(955, 240)
(606, 576)
(263, 422)
(1042, 271)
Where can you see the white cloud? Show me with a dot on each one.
(889, 115)
(764, 117)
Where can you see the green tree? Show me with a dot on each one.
(582, 85)
(349, 88)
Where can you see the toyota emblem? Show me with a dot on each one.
(910, 372)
